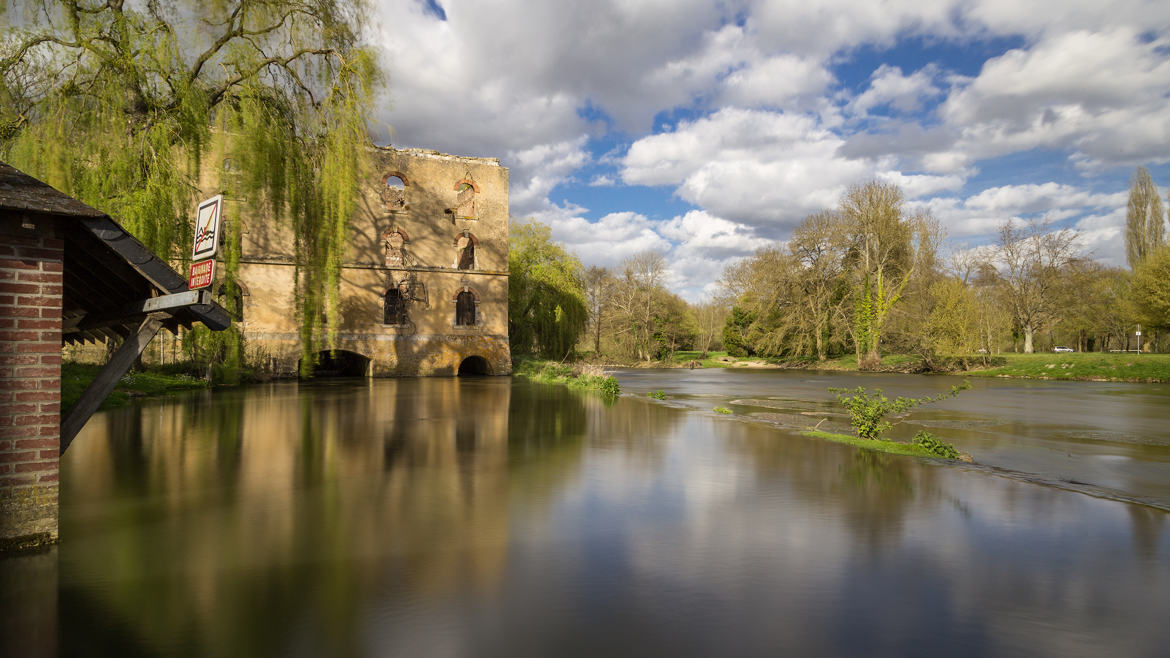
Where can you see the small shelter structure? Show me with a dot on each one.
(68, 273)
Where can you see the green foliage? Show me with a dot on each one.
(1144, 219)
(583, 377)
(735, 333)
(610, 387)
(657, 395)
(1151, 288)
(935, 445)
(722, 410)
(155, 90)
(867, 412)
(546, 293)
(890, 447)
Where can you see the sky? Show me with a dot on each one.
(707, 129)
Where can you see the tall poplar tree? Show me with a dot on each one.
(118, 104)
(1144, 223)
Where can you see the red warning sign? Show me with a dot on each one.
(202, 274)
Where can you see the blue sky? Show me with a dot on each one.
(707, 129)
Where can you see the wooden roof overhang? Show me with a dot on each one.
(112, 282)
(113, 286)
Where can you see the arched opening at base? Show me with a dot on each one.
(474, 365)
(340, 363)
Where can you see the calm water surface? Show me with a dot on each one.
(486, 517)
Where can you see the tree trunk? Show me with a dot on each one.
(1028, 331)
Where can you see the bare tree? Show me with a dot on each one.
(641, 277)
(1030, 260)
(599, 284)
(710, 316)
(1144, 223)
(818, 246)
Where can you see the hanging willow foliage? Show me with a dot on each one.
(118, 104)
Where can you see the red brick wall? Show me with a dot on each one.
(30, 379)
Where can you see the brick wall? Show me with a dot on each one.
(30, 380)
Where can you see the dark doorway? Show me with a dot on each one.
(473, 365)
(340, 363)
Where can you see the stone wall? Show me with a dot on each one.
(30, 379)
(430, 228)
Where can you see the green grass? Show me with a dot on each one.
(582, 377)
(1083, 365)
(76, 376)
(1099, 366)
(892, 447)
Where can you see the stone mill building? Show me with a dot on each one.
(424, 285)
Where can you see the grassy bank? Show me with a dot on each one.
(580, 376)
(156, 381)
(1093, 366)
(891, 447)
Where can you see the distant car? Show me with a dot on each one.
(1062, 348)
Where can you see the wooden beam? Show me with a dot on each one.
(108, 378)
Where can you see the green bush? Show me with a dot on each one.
(722, 410)
(935, 445)
(657, 395)
(867, 412)
(610, 387)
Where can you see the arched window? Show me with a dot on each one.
(395, 306)
(393, 191)
(465, 309)
(465, 245)
(394, 241)
(465, 199)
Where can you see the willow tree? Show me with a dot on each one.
(118, 104)
(1144, 223)
(546, 293)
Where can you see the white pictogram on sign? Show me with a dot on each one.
(207, 228)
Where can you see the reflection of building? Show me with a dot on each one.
(424, 286)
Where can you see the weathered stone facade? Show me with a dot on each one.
(424, 286)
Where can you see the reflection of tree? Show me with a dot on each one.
(547, 426)
(295, 503)
(874, 491)
(1147, 530)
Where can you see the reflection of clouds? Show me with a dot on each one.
(552, 524)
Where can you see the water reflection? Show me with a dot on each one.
(486, 517)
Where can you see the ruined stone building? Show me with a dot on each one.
(424, 286)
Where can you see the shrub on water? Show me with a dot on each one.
(935, 445)
(722, 410)
(867, 412)
(610, 387)
(657, 395)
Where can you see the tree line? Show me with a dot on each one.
(866, 277)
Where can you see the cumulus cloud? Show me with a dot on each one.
(1102, 94)
(766, 127)
(751, 166)
(889, 87)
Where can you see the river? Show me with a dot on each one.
(495, 517)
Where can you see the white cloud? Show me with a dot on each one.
(602, 180)
(780, 81)
(751, 166)
(1102, 94)
(609, 240)
(889, 87)
(536, 170)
